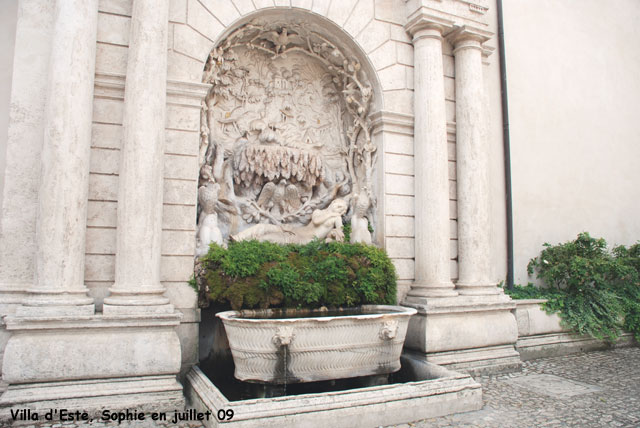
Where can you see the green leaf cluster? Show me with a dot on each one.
(596, 291)
(252, 274)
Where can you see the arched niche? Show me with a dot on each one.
(286, 135)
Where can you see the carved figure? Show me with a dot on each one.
(208, 230)
(279, 199)
(285, 128)
(283, 39)
(323, 222)
(360, 223)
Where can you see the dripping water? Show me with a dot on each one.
(285, 368)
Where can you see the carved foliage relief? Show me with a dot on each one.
(284, 132)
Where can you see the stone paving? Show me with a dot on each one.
(596, 389)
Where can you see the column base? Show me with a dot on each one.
(48, 303)
(111, 309)
(421, 291)
(55, 310)
(483, 288)
(12, 295)
(468, 333)
(144, 301)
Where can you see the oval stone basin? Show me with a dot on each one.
(290, 346)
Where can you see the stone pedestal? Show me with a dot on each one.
(92, 363)
(472, 334)
(541, 334)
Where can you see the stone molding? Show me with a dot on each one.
(388, 121)
(464, 304)
(464, 11)
(14, 323)
(467, 36)
(188, 94)
(11, 294)
(479, 361)
(422, 20)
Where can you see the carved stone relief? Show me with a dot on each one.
(285, 149)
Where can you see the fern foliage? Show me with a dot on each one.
(595, 290)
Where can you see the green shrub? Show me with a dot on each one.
(595, 291)
(252, 274)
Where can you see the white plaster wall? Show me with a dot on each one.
(574, 102)
(8, 19)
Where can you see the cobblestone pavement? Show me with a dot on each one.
(596, 389)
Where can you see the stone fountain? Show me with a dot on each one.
(286, 155)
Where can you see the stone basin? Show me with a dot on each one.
(315, 347)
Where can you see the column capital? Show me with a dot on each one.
(423, 25)
(468, 37)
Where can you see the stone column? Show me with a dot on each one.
(474, 249)
(432, 240)
(137, 287)
(64, 182)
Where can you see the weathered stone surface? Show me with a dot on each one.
(533, 320)
(436, 391)
(285, 135)
(310, 349)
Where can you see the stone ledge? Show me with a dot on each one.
(457, 304)
(142, 394)
(442, 392)
(400, 123)
(479, 361)
(97, 321)
(556, 344)
(542, 335)
(111, 85)
(533, 320)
